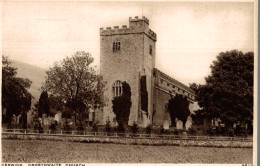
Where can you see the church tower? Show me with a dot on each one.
(126, 54)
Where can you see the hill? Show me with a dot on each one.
(35, 74)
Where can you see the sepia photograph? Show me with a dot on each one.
(145, 82)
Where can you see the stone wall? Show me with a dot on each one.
(164, 87)
(134, 141)
(124, 66)
(127, 63)
(136, 26)
(149, 64)
(161, 114)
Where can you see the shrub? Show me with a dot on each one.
(230, 132)
(166, 132)
(239, 131)
(122, 105)
(95, 127)
(211, 132)
(108, 126)
(134, 128)
(218, 131)
(148, 129)
(176, 132)
(192, 131)
(250, 129)
(120, 128)
(38, 126)
(52, 127)
(80, 127)
(67, 127)
(163, 131)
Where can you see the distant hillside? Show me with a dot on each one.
(35, 74)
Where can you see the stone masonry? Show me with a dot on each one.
(135, 58)
(126, 64)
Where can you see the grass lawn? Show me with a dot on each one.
(73, 152)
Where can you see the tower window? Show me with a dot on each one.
(117, 88)
(151, 50)
(116, 46)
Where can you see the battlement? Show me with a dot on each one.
(139, 19)
(152, 34)
(175, 82)
(114, 28)
(133, 29)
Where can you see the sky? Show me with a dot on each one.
(189, 34)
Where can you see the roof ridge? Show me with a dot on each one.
(178, 82)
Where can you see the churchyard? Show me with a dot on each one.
(116, 99)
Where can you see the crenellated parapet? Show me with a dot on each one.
(152, 34)
(114, 30)
(135, 19)
(137, 26)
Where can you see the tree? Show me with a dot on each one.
(194, 87)
(198, 117)
(228, 92)
(16, 100)
(56, 104)
(44, 106)
(76, 83)
(178, 107)
(144, 94)
(122, 104)
(172, 111)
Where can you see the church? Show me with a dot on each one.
(127, 54)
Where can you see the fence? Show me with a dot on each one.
(110, 134)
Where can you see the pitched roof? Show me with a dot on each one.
(174, 81)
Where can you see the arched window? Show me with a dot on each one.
(151, 50)
(117, 88)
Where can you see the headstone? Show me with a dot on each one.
(166, 125)
(29, 117)
(179, 125)
(188, 123)
(145, 119)
(58, 117)
(91, 115)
